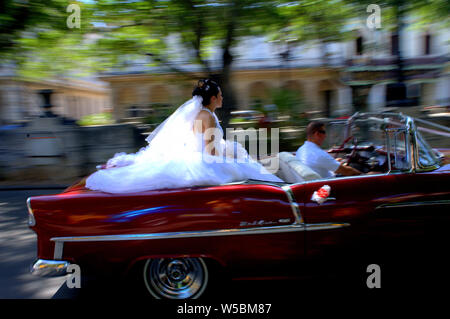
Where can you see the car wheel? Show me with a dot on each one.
(175, 278)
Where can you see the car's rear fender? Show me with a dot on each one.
(93, 214)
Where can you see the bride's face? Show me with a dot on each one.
(218, 99)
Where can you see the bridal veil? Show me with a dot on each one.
(175, 158)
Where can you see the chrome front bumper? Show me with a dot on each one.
(49, 268)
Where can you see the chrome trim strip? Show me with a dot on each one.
(187, 234)
(204, 233)
(294, 206)
(328, 226)
(388, 148)
(57, 254)
(325, 180)
(250, 182)
(31, 219)
(442, 127)
(413, 204)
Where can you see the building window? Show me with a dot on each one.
(413, 92)
(327, 98)
(427, 44)
(394, 44)
(359, 45)
(133, 111)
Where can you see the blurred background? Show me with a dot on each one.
(82, 80)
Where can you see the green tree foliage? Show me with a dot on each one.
(133, 29)
(96, 119)
(310, 20)
(34, 36)
(18, 17)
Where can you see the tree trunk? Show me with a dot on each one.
(229, 97)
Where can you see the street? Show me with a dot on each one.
(18, 250)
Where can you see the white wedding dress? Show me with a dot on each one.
(175, 158)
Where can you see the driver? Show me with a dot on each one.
(311, 155)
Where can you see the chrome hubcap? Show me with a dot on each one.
(176, 270)
(175, 278)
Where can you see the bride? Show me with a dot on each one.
(187, 149)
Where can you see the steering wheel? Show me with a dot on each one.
(353, 153)
(345, 141)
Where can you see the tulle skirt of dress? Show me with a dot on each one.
(183, 170)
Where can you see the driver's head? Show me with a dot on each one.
(316, 133)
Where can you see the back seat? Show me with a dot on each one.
(291, 170)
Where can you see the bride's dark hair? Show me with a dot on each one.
(206, 89)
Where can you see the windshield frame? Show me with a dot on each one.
(419, 141)
(414, 140)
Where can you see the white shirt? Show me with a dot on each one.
(311, 155)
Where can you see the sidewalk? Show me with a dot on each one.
(14, 186)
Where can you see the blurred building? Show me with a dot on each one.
(259, 66)
(72, 98)
(334, 79)
(371, 65)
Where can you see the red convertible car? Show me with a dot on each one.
(178, 238)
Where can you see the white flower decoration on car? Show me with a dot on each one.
(321, 195)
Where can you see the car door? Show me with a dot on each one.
(358, 226)
(426, 202)
(270, 241)
(348, 213)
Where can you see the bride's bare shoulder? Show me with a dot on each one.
(205, 116)
(203, 121)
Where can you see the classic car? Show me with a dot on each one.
(179, 239)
